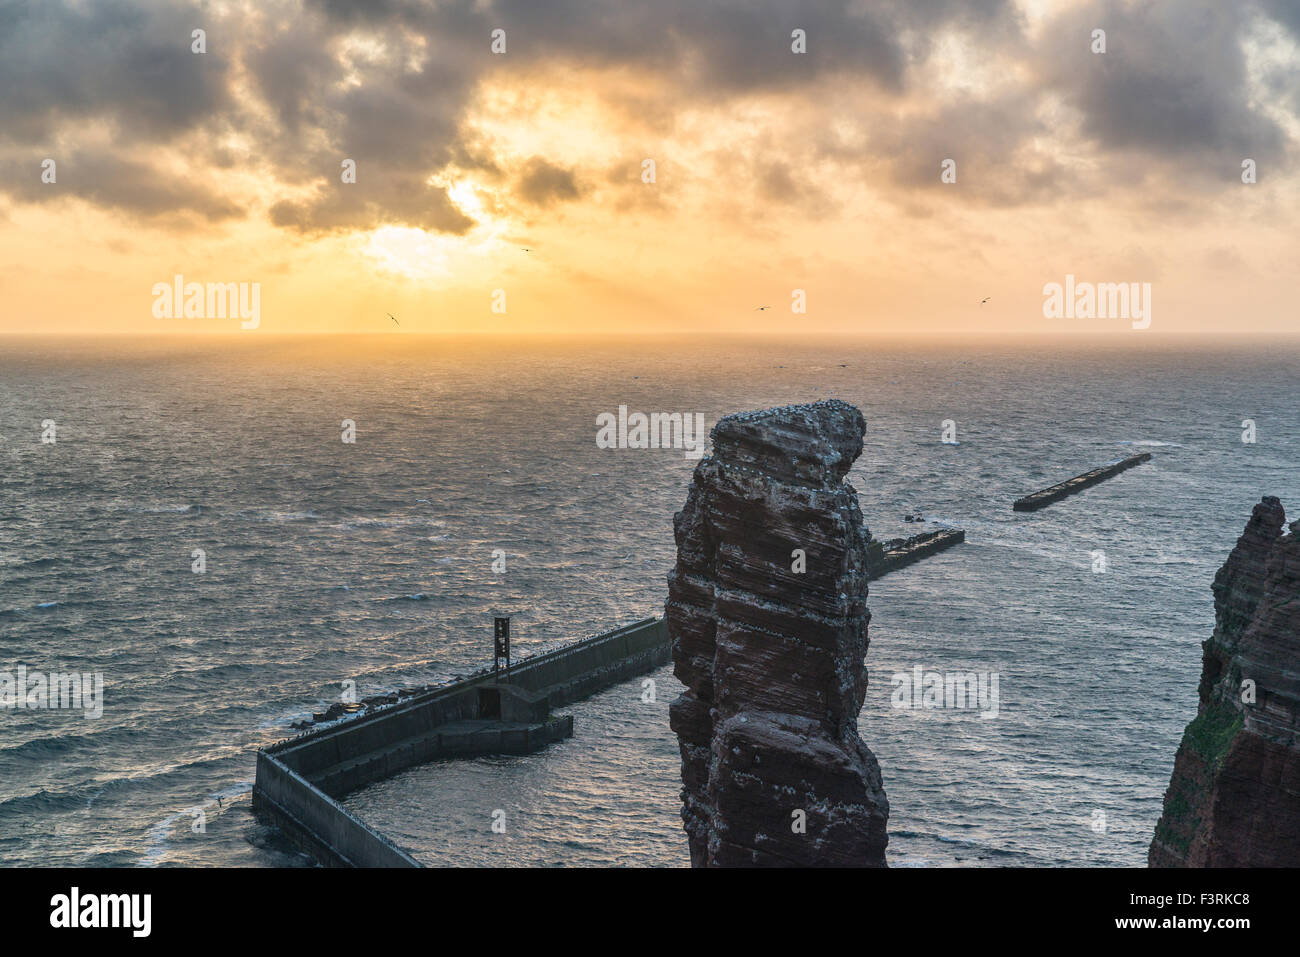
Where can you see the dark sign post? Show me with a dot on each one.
(501, 640)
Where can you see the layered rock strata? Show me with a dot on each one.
(1234, 798)
(768, 619)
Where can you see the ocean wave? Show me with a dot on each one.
(268, 515)
(31, 563)
(354, 523)
(155, 509)
(159, 839)
(76, 797)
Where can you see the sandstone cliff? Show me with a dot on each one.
(771, 649)
(1234, 798)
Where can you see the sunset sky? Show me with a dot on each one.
(774, 170)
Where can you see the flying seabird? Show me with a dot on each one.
(392, 317)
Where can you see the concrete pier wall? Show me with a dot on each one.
(899, 553)
(298, 779)
(317, 823)
(1045, 497)
(562, 676)
(580, 670)
(317, 751)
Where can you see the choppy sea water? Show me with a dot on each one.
(372, 562)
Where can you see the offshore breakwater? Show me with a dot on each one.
(896, 553)
(1055, 493)
(299, 780)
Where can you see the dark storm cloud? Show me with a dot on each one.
(399, 200)
(123, 66)
(115, 182)
(291, 64)
(544, 183)
(1172, 83)
(1286, 12)
(723, 45)
(992, 140)
(402, 121)
(1167, 103)
(288, 81)
(125, 62)
(130, 63)
(777, 183)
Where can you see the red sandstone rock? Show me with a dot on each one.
(1234, 798)
(772, 659)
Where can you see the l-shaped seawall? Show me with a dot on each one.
(300, 780)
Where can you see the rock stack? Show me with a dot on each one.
(1234, 798)
(768, 619)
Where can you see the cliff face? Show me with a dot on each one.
(1234, 798)
(771, 654)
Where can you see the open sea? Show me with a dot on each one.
(372, 562)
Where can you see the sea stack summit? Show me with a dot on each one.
(1234, 798)
(768, 618)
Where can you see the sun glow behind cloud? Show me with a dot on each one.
(774, 172)
(426, 256)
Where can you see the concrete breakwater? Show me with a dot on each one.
(898, 553)
(1059, 491)
(299, 780)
